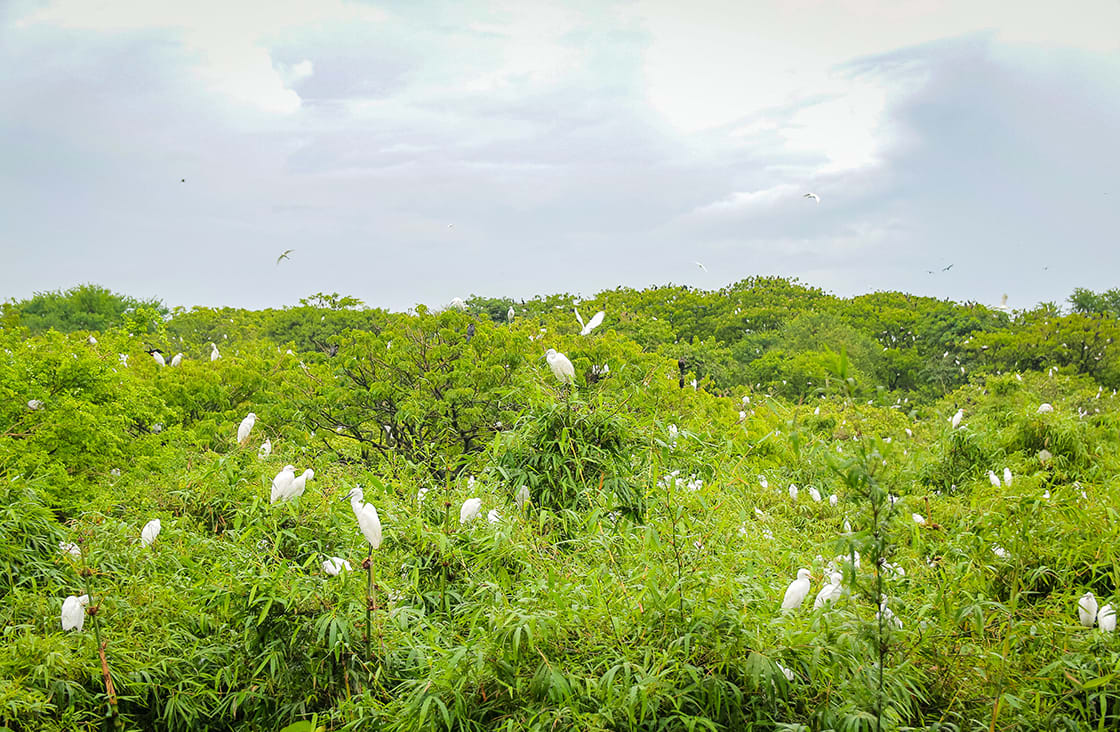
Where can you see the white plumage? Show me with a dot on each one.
(831, 591)
(214, 355)
(1087, 609)
(814, 494)
(299, 483)
(245, 428)
(1106, 618)
(282, 484)
(334, 565)
(595, 322)
(797, 591)
(368, 520)
(993, 478)
(957, 418)
(264, 450)
(149, 533)
(1045, 408)
(470, 509)
(1007, 477)
(74, 612)
(561, 367)
(493, 516)
(72, 549)
(177, 359)
(158, 358)
(510, 314)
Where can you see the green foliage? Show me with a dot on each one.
(85, 307)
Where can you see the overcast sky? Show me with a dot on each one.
(416, 151)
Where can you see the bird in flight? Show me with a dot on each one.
(946, 269)
(813, 196)
(285, 255)
(701, 266)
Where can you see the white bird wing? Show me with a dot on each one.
(578, 317)
(595, 322)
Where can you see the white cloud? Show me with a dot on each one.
(746, 202)
(230, 40)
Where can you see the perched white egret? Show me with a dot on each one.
(299, 483)
(149, 533)
(993, 478)
(92, 341)
(793, 491)
(334, 565)
(814, 494)
(368, 520)
(919, 519)
(282, 484)
(1106, 618)
(1007, 477)
(561, 367)
(245, 428)
(177, 359)
(956, 420)
(510, 314)
(797, 590)
(493, 516)
(888, 617)
(522, 496)
(831, 591)
(72, 549)
(35, 405)
(74, 612)
(1045, 408)
(458, 304)
(1087, 609)
(264, 450)
(214, 355)
(1003, 304)
(470, 509)
(833, 500)
(157, 356)
(909, 433)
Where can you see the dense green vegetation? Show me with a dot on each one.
(638, 589)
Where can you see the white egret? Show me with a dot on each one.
(510, 314)
(264, 450)
(595, 322)
(674, 432)
(1106, 618)
(1000, 552)
(919, 519)
(74, 612)
(1003, 304)
(493, 516)
(299, 483)
(833, 500)
(522, 496)
(785, 671)
(561, 367)
(1087, 609)
(149, 533)
(457, 303)
(888, 617)
(908, 432)
(334, 565)
(813, 196)
(956, 420)
(92, 341)
(214, 355)
(814, 494)
(831, 591)
(245, 428)
(368, 520)
(72, 549)
(797, 590)
(157, 356)
(793, 491)
(1007, 477)
(35, 405)
(177, 359)
(1045, 408)
(420, 494)
(701, 266)
(470, 509)
(282, 484)
(993, 478)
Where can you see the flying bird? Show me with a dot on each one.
(701, 266)
(813, 196)
(592, 324)
(946, 269)
(285, 255)
(1003, 304)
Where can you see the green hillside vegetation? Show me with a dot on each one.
(639, 587)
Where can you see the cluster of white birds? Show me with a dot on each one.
(1089, 614)
(287, 485)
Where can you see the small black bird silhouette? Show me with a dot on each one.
(182, 180)
(946, 269)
